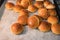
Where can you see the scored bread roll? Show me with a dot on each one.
(44, 26)
(32, 8)
(38, 4)
(52, 19)
(34, 21)
(22, 19)
(56, 28)
(24, 12)
(9, 5)
(16, 28)
(43, 13)
(49, 5)
(17, 8)
(52, 12)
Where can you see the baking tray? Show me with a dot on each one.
(8, 17)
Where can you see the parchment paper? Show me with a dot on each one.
(9, 17)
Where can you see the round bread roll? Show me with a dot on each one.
(24, 12)
(17, 8)
(24, 4)
(18, 2)
(44, 26)
(43, 13)
(32, 8)
(22, 19)
(33, 22)
(49, 5)
(52, 19)
(52, 12)
(16, 28)
(38, 4)
(9, 5)
(56, 28)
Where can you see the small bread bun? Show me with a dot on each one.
(43, 13)
(52, 12)
(16, 28)
(17, 8)
(52, 19)
(32, 8)
(24, 12)
(44, 26)
(33, 21)
(22, 19)
(49, 5)
(9, 5)
(56, 28)
(18, 2)
(38, 4)
(24, 3)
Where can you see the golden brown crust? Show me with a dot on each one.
(44, 26)
(17, 8)
(46, 3)
(16, 28)
(9, 5)
(52, 12)
(40, 18)
(24, 4)
(22, 19)
(43, 13)
(56, 28)
(24, 12)
(52, 19)
(18, 2)
(32, 8)
(38, 4)
(33, 22)
(49, 5)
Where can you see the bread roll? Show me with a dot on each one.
(16, 28)
(18, 2)
(32, 8)
(44, 26)
(49, 5)
(56, 28)
(52, 12)
(52, 19)
(22, 19)
(33, 21)
(26, 3)
(24, 12)
(9, 5)
(43, 13)
(17, 8)
(38, 4)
